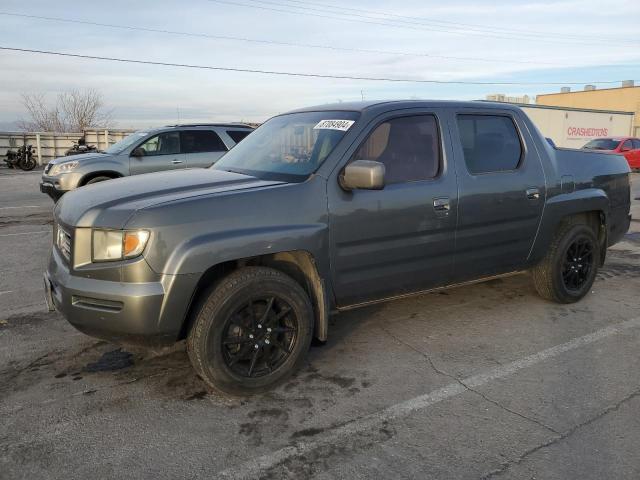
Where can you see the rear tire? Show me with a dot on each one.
(252, 331)
(568, 270)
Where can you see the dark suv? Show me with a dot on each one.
(168, 148)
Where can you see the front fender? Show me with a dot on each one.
(108, 164)
(199, 253)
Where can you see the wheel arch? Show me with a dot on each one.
(590, 206)
(298, 264)
(102, 173)
(595, 218)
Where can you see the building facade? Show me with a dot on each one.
(624, 98)
(574, 127)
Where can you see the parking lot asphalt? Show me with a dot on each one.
(482, 381)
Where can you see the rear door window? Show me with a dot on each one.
(490, 143)
(636, 144)
(238, 135)
(409, 148)
(199, 141)
(627, 145)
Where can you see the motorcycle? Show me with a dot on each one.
(80, 147)
(11, 159)
(24, 158)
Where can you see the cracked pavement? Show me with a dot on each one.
(403, 390)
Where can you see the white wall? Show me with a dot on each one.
(572, 128)
(50, 145)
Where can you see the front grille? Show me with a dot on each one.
(48, 167)
(63, 241)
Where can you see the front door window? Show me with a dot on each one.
(167, 143)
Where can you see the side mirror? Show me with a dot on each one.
(363, 174)
(138, 152)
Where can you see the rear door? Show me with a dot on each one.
(502, 191)
(202, 148)
(400, 239)
(161, 152)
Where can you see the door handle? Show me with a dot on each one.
(441, 204)
(533, 193)
(176, 162)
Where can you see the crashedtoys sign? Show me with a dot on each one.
(586, 132)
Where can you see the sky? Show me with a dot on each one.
(556, 41)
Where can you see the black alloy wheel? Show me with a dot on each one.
(569, 268)
(259, 336)
(578, 263)
(252, 331)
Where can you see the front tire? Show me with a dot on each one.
(252, 332)
(100, 178)
(567, 272)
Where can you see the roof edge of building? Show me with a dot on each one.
(586, 91)
(573, 109)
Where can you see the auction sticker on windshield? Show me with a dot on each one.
(342, 125)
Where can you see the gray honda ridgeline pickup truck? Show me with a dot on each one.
(326, 209)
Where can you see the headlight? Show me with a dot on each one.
(109, 245)
(63, 168)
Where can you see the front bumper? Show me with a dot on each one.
(57, 186)
(51, 190)
(150, 313)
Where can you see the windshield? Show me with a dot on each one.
(126, 142)
(288, 147)
(602, 144)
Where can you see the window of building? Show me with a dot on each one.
(490, 143)
(409, 147)
(200, 141)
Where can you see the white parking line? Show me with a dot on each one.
(24, 233)
(6, 291)
(253, 468)
(11, 174)
(24, 206)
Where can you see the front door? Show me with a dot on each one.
(502, 192)
(160, 152)
(400, 239)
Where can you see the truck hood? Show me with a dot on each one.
(111, 203)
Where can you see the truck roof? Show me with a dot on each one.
(399, 104)
(223, 125)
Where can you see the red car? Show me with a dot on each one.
(627, 146)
